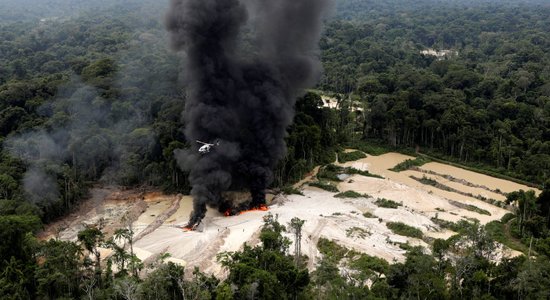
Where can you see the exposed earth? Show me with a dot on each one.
(157, 219)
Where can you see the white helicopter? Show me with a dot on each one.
(206, 147)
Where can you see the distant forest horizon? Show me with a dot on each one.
(92, 94)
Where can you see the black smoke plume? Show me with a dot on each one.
(246, 63)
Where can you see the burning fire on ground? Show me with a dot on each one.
(230, 212)
(255, 92)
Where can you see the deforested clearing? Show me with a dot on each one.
(326, 217)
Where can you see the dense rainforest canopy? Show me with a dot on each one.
(487, 102)
(91, 93)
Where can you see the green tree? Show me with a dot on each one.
(526, 204)
(266, 271)
(296, 228)
(417, 277)
(91, 239)
(58, 275)
(17, 256)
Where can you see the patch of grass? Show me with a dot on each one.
(405, 246)
(470, 207)
(444, 223)
(404, 229)
(507, 217)
(472, 220)
(357, 232)
(367, 262)
(325, 186)
(330, 172)
(409, 163)
(369, 215)
(460, 226)
(331, 250)
(290, 190)
(497, 230)
(350, 156)
(353, 171)
(461, 181)
(385, 203)
(350, 194)
(427, 181)
(432, 182)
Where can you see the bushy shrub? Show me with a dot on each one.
(385, 203)
(404, 229)
(325, 186)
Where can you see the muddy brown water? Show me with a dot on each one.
(381, 164)
(506, 186)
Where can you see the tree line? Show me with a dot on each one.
(97, 98)
(464, 266)
(486, 104)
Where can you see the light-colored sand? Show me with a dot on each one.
(108, 208)
(329, 102)
(325, 216)
(419, 200)
(379, 164)
(417, 192)
(155, 207)
(476, 191)
(309, 177)
(339, 220)
(488, 181)
(183, 213)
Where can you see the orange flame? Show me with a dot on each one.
(189, 228)
(262, 207)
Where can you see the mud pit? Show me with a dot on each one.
(381, 164)
(157, 219)
(491, 182)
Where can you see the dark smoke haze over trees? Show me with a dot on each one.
(245, 100)
(81, 80)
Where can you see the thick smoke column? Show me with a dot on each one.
(244, 99)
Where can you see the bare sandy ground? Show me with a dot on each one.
(491, 182)
(379, 164)
(340, 220)
(156, 205)
(421, 196)
(458, 186)
(325, 216)
(108, 208)
(420, 201)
